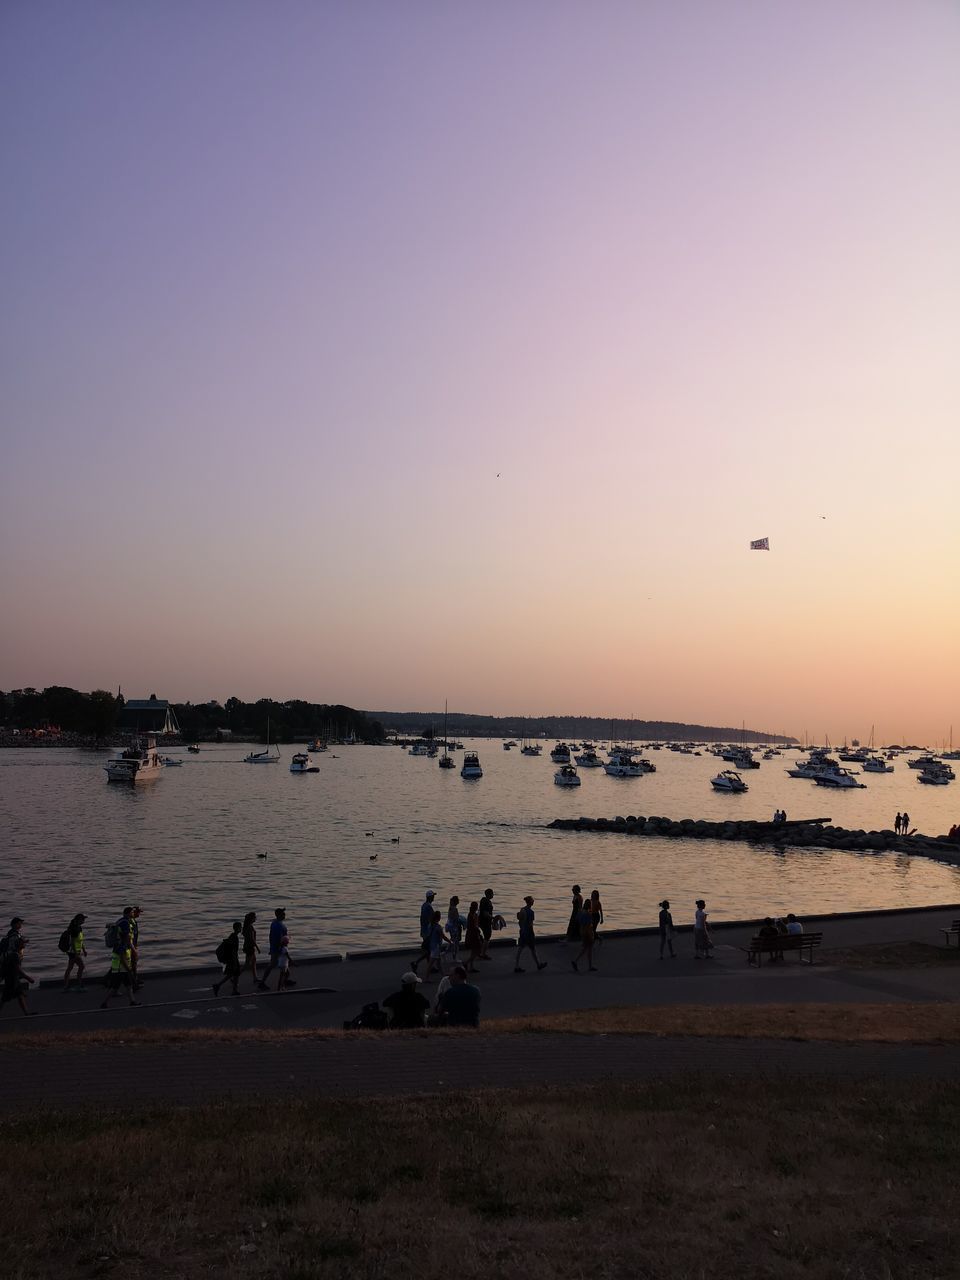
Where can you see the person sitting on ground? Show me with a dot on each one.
(408, 1008)
(459, 1006)
(793, 924)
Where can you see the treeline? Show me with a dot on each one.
(462, 724)
(289, 721)
(61, 709)
(95, 715)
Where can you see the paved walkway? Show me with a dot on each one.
(421, 1063)
(327, 994)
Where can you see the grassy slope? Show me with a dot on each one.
(687, 1178)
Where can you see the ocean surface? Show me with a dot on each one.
(185, 846)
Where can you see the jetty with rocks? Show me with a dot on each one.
(802, 833)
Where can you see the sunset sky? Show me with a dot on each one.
(387, 353)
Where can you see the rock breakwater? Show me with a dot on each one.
(806, 833)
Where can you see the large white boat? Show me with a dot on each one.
(301, 764)
(566, 776)
(728, 780)
(589, 760)
(623, 765)
(837, 778)
(876, 764)
(818, 764)
(560, 754)
(136, 763)
(471, 765)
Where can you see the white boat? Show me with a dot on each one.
(301, 764)
(137, 763)
(728, 780)
(263, 757)
(623, 765)
(876, 764)
(169, 762)
(471, 765)
(742, 758)
(818, 764)
(560, 754)
(566, 776)
(838, 777)
(589, 760)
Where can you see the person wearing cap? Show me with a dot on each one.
(426, 928)
(76, 953)
(527, 940)
(121, 960)
(278, 931)
(408, 1008)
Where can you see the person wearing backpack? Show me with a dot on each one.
(16, 980)
(119, 938)
(228, 953)
(71, 944)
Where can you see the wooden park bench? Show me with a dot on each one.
(769, 947)
(952, 932)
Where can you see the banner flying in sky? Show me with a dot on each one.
(760, 544)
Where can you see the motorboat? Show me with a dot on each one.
(560, 754)
(566, 776)
(936, 777)
(589, 760)
(728, 780)
(170, 762)
(301, 764)
(818, 763)
(471, 765)
(508, 746)
(876, 764)
(137, 763)
(317, 745)
(531, 749)
(647, 766)
(263, 757)
(418, 749)
(623, 765)
(743, 758)
(923, 762)
(194, 749)
(838, 777)
(447, 762)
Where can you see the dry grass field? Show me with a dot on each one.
(689, 1178)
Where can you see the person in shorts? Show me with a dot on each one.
(232, 967)
(527, 941)
(278, 930)
(76, 953)
(15, 980)
(120, 976)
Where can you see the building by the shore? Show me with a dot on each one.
(151, 715)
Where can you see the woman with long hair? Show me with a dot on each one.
(250, 948)
(573, 928)
(474, 938)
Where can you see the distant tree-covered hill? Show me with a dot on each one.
(467, 724)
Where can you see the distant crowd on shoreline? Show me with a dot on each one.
(451, 949)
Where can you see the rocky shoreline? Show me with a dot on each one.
(806, 833)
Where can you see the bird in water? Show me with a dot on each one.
(394, 839)
(374, 857)
(368, 833)
(261, 855)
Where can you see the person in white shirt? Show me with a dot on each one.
(702, 945)
(793, 924)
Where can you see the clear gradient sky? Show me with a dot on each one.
(387, 353)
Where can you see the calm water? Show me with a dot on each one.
(186, 845)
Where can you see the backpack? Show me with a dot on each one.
(221, 951)
(111, 937)
(63, 942)
(370, 1018)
